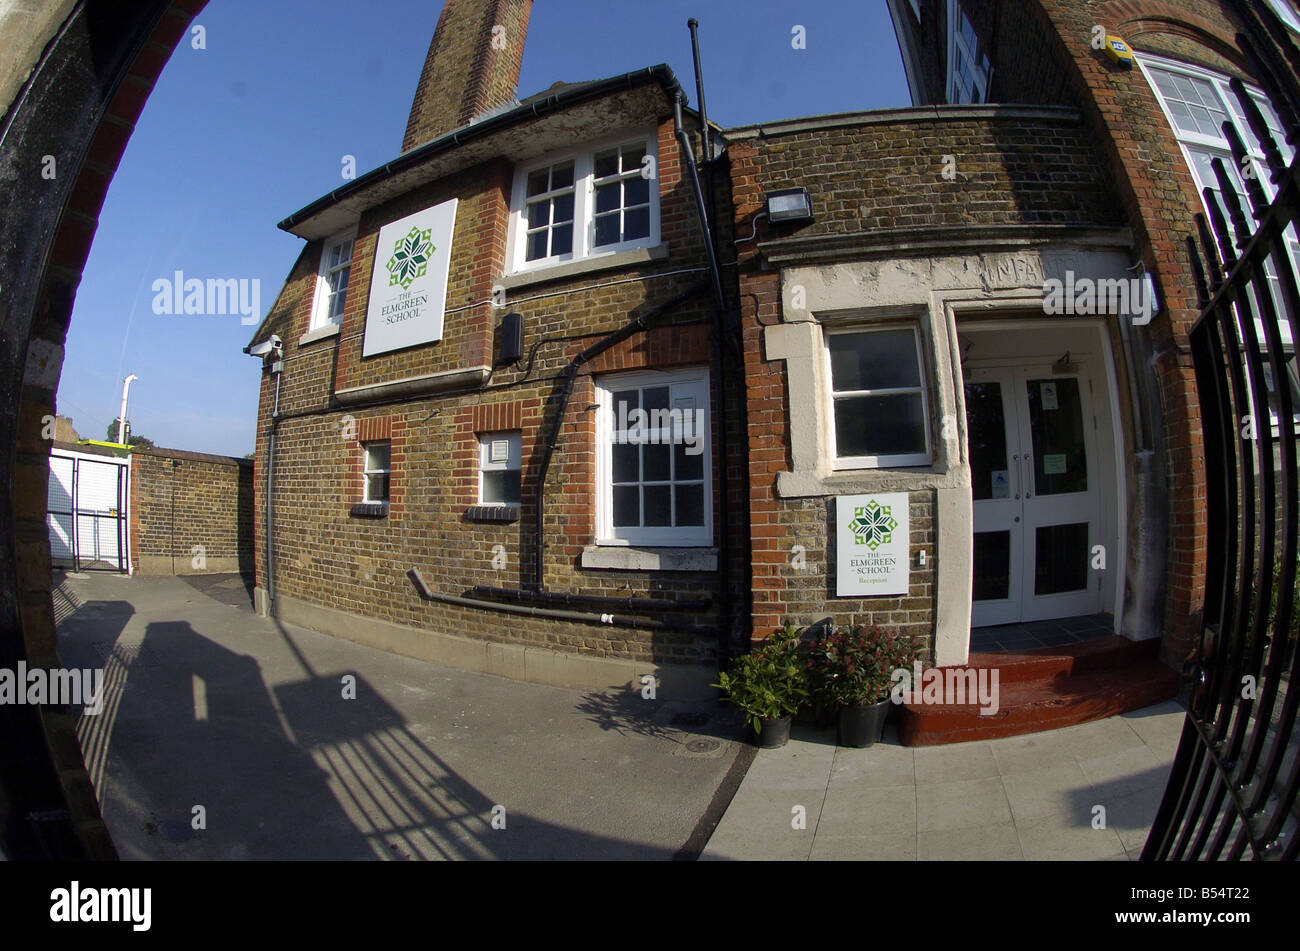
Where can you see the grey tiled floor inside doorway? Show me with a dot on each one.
(1029, 635)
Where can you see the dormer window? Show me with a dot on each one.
(969, 69)
(332, 280)
(578, 204)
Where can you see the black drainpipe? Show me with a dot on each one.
(570, 375)
(719, 370)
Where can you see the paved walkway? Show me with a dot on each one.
(301, 746)
(1029, 797)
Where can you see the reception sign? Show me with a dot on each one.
(408, 286)
(872, 538)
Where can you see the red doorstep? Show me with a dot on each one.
(1048, 688)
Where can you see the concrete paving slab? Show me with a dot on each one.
(867, 810)
(1125, 772)
(955, 762)
(879, 765)
(972, 802)
(887, 847)
(1018, 754)
(1055, 790)
(1131, 816)
(1055, 838)
(302, 746)
(995, 843)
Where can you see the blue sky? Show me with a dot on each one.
(238, 135)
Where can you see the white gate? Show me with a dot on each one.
(87, 510)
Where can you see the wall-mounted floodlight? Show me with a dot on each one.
(271, 343)
(789, 206)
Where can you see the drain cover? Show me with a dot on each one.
(702, 747)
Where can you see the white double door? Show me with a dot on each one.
(1031, 435)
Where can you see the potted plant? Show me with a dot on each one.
(854, 668)
(769, 684)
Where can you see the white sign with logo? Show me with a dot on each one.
(872, 533)
(408, 286)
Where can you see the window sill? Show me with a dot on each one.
(629, 558)
(492, 513)
(369, 510)
(320, 333)
(604, 262)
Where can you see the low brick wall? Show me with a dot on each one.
(191, 513)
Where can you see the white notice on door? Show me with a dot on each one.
(1001, 488)
(1048, 391)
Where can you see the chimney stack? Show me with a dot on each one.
(472, 66)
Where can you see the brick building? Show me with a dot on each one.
(974, 313)
(448, 455)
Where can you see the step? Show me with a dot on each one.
(1034, 698)
(1046, 663)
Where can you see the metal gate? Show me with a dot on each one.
(1232, 788)
(86, 511)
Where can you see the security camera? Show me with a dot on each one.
(273, 343)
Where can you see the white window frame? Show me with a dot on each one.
(584, 201)
(367, 472)
(898, 460)
(916, 9)
(512, 462)
(1197, 142)
(976, 57)
(320, 316)
(690, 536)
(1286, 13)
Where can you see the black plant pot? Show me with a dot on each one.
(776, 733)
(861, 726)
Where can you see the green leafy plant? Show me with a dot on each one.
(853, 666)
(769, 682)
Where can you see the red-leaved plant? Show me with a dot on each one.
(853, 666)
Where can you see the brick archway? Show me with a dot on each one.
(74, 115)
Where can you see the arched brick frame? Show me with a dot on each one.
(79, 106)
(1133, 18)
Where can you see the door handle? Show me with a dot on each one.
(1016, 459)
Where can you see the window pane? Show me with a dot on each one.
(632, 156)
(607, 163)
(626, 463)
(1061, 558)
(655, 460)
(377, 487)
(687, 466)
(562, 209)
(562, 176)
(877, 360)
(636, 191)
(538, 213)
(501, 487)
(658, 504)
(992, 575)
(377, 457)
(607, 229)
(656, 397)
(690, 504)
(607, 197)
(880, 425)
(986, 428)
(636, 224)
(536, 246)
(624, 401)
(562, 239)
(1056, 422)
(627, 506)
(537, 182)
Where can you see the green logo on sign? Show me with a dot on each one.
(873, 525)
(410, 257)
